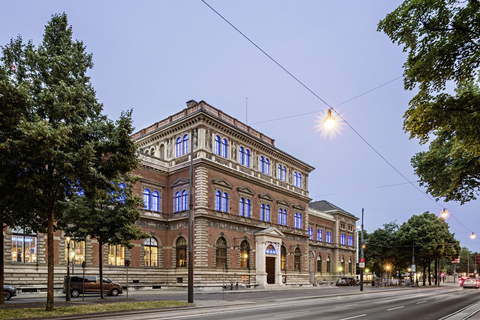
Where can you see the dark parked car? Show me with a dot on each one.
(347, 282)
(92, 285)
(8, 292)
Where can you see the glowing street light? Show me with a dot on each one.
(473, 235)
(329, 121)
(444, 214)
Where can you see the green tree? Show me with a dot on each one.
(62, 142)
(381, 249)
(432, 240)
(442, 41)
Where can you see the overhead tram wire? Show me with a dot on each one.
(330, 107)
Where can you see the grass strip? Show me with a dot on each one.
(17, 313)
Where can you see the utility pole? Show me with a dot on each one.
(190, 227)
(413, 263)
(361, 253)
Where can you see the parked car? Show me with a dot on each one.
(341, 282)
(8, 292)
(471, 283)
(92, 285)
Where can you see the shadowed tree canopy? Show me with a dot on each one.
(60, 138)
(442, 39)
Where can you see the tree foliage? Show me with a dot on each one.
(61, 138)
(441, 38)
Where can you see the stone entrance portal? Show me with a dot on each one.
(270, 269)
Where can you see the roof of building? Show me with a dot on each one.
(328, 207)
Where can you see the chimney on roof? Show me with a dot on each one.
(191, 103)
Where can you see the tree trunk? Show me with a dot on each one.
(429, 272)
(50, 265)
(100, 268)
(2, 261)
(424, 272)
(436, 271)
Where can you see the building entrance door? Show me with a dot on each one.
(270, 268)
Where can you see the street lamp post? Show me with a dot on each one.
(361, 253)
(67, 297)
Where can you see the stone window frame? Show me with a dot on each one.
(153, 187)
(224, 186)
(250, 255)
(228, 253)
(159, 252)
(285, 206)
(247, 193)
(174, 251)
(267, 200)
(328, 260)
(319, 263)
(24, 233)
(180, 185)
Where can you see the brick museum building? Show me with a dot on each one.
(254, 223)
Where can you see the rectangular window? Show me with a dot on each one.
(342, 239)
(24, 247)
(310, 233)
(319, 235)
(329, 237)
(116, 255)
(77, 251)
(350, 241)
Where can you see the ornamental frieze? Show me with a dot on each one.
(230, 226)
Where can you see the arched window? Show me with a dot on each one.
(221, 253)
(283, 258)
(270, 250)
(295, 220)
(151, 252)
(241, 156)
(300, 222)
(178, 147)
(319, 264)
(262, 212)
(295, 178)
(184, 200)
(284, 174)
(284, 217)
(280, 217)
(242, 207)
(181, 252)
(218, 201)
(248, 208)
(267, 166)
(244, 254)
(329, 264)
(225, 148)
(297, 259)
(185, 144)
(156, 201)
(299, 180)
(217, 145)
(267, 213)
(225, 202)
(177, 199)
(146, 199)
(350, 265)
(279, 172)
(262, 164)
(247, 156)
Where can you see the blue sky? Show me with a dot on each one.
(153, 56)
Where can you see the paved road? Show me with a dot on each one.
(313, 303)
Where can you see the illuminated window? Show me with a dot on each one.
(116, 255)
(225, 148)
(146, 199)
(262, 164)
(178, 147)
(225, 202)
(247, 158)
(151, 252)
(24, 246)
(283, 258)
(177, 200)
(329, 237)
(350, 241)
(241, 156)
(185, 144)
(342, 239)
(218, 144)
(248, 208)
(244, 254)
(242, 207)
(184, 200)
(77, 251)
(181, 252)
(156, 201)
(267, 166)
(319, 235)
(310, 233)
(271, 249)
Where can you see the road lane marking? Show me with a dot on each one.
(420, 302)
(348, 305)
(360, 315)
(396, 308)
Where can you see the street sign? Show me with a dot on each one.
(361, 263)
(413, 268)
